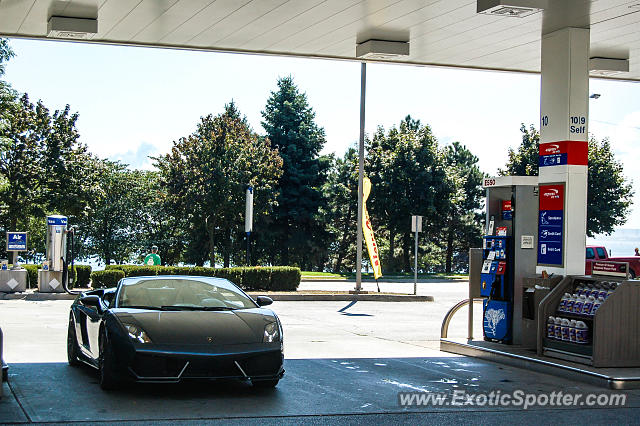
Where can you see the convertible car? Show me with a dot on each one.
(174, 328)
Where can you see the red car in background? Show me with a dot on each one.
(597, 253)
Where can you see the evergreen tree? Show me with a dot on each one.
(463, 228)
(341, 212)
(289, 123)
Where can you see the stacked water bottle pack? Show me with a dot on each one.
(567, 330)
(587, 298)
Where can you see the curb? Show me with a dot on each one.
(337, 297)
(390, 280)
(302, 297)
(37, 297)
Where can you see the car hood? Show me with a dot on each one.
(199, 327)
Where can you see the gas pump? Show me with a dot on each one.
(54, 275)
(509, 254)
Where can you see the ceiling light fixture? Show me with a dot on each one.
(512, 8)
(72, 28)
(607, 66)
(382, 49)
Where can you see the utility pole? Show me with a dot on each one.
(363, 90)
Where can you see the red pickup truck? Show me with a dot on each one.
(595, 253)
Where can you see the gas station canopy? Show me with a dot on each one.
(506, 35)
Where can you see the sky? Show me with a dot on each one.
(133, 102)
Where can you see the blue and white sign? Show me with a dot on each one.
(16, 241)
(551, 225)
(552, 160)
(56, 220)
(550, 230)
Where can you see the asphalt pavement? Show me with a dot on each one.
(345, 363)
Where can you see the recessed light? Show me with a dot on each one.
(607, 67)
(382, 49)
(73, 28)
(511, 8)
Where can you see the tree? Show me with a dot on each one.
(463, 227)
(408, 175)
(341, 212)
(609, 195)
(6, 53)
(206, 175)
(289, 122)
(115, 214)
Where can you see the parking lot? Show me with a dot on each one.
(345, 361)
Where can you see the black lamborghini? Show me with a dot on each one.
(174, 328)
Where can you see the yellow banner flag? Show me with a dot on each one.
(367, 229)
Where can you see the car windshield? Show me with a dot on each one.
(182, 294)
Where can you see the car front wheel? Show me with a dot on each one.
(73, 354)
(108, 380)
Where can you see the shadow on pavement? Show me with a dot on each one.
(55, 392)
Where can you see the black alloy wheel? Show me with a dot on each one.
(73, 354)
(106, 371)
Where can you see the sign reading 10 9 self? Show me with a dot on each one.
(16, 241)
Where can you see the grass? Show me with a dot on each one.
(349, 275)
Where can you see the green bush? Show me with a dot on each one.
(106, 279)
(257, 278)
(32, 273)
(83, 275)
(278, 278)
(285, 278)
(135, 270)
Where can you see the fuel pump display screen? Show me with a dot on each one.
(551, 225)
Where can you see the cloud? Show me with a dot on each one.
(138, 158)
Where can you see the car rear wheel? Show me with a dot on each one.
(265, 384)
(108, 380)
(73, 354)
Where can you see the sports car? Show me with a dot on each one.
(174, 328)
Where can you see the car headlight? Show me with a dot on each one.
(136, 333)
(271, 333)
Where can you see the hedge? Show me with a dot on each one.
(106, 279)
(276, 278)
(32, 273)
(83, 272)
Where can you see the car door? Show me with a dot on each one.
(88, 321)
(590, 257)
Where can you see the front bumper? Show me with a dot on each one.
(159, 364)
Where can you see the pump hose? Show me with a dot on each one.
(65, 269)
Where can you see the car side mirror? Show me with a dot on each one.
(264, 300)
(91, 300)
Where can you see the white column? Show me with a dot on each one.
(564, 109)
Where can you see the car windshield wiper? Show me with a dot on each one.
(199, 308)
(153, 308)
